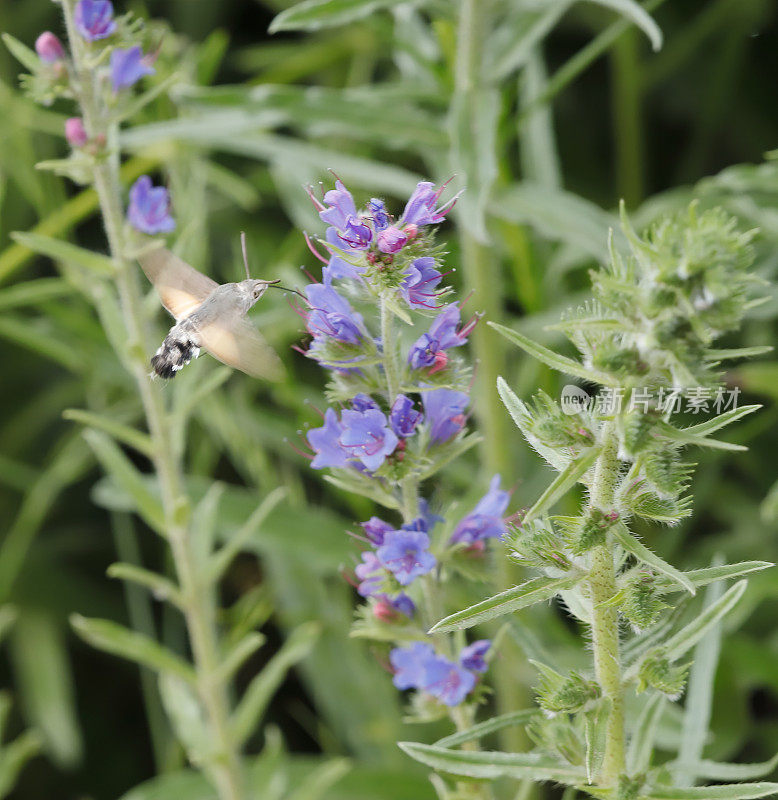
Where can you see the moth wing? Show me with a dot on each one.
(180, 287)
(236, 342)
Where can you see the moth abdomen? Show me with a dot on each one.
(175, 352)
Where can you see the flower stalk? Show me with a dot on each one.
(199, 607)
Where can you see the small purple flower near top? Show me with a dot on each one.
(410, 664)
(377, 211)
(128, 66)
(325, 443)
(444, 410)
(472, 656)
(149, 209)
(49, 48)
(375, 529)
(420, 208)
(340, 208)
(443, 334)
(367, 436)
(404, 417)
(363, 402)
(447, 681)
(331, 315)
(94, 19)
(404, 554)
(421, 280)
(485, 520)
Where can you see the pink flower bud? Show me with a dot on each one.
(411, 231)
(441, 362)
(75, 132)
(391, 240)
(383, 610)
(49, 48)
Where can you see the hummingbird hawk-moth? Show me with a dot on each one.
(208, 316)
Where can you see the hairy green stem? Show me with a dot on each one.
(199, 602)
(605, 618)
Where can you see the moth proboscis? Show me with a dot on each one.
(210, 316)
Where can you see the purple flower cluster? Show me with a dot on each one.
(402, 409)
(357, 239)
(149, 209)
(420, 667)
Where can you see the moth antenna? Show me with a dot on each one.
(244, 249)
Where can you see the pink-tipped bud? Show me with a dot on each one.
(476, 549)
(411, 230)
(75, 132)
(383, 610)
(49, 48)
(441, 362)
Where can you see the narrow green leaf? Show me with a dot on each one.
(489, 726)
(14, 756)
(319, 781)
(127, 477)
(161, 588)
(738, 352)
(636, 548)
(261, 689)
(8, 615)
(59, 250)
(223, 558)
(39, 653)
(720, 771)
(313, 15)
(685, 437)
(720, 421)
(26, 57)
(35, 292)
(123, 433)
(688, 636)
(187, 717)
(119, 641)
(702, 577)
(633, 11)
(727, 791)
(595, 727)
(488, 765)
(551, 359)
(236, 656)
(535, 590)
(563, 482)
(641, 744)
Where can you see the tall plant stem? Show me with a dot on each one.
(605, 619)
(199, 602)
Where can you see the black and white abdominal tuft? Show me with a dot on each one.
(178, 349)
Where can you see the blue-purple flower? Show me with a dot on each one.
(375, 529)
(94, 19)
(128, 66)
(363, 402)
(149, 209)
(420, 281)
(331, 316)
(387, 608)
(404, 553)
(404, 417)
(340, 207)
(426, 515)
(473, 658)
(368, 437)
(325, 442)
(428, 349)
(420, 208)
(444, 410)
(338, 268)
(371, 575)
(448, 682)
(410, 665)
(485, 521)
(377, 211)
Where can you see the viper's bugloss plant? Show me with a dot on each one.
(386, 328)
(646, 340)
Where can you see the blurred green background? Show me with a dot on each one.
(657, 129)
